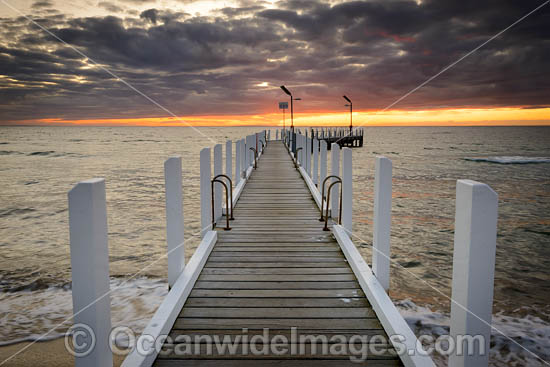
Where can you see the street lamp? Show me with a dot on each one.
(291, 115)
(350, 113)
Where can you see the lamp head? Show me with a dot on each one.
(286, 90)
(347, 99)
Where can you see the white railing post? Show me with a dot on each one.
(237, 162)
(90, 272)
(206, 190)
(382, 221)
(218, 170)
(303, 151)
(323, 164)
(174, 218)
(473, 272)
(308, 156)
(347, 187)
(229, 159)
(243, 157)
(268, 134)
(315, 176)
(335, 170)
(250, 143)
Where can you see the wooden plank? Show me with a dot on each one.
(271, 259)
(277, 277)
(278, 271)
(213, 264)
(276, 302)
(264, 253)
(275, 313)
(267, 351)
(276, 363)
(276, 285)
(222, 244)
(260, 323)
(289, 250)
(277, 293)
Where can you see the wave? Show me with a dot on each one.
(510, 160)
(27, 315)
(524, 337)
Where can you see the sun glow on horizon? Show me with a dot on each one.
(508, 116)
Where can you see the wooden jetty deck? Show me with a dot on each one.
(276, 269)
(277, 279)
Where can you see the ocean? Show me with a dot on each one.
(39, 165)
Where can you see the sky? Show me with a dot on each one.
(160, 62)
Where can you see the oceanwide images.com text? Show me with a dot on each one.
(81, 341)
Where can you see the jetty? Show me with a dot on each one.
(277, 279)
(344, 137)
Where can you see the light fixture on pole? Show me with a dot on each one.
(291, 115)
(350, 113)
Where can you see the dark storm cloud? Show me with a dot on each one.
(42, 4)
(374, 51)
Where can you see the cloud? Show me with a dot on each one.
(374, 51)
(42, 4)
(110, 7)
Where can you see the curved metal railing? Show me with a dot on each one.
(228, 197)
(255, 157)
(338, 180)
(296, 157)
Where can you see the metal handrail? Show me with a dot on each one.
(338, 181)
(227, 228)
(230, 193)
(255, 157)
(323, 194)
(296, 157)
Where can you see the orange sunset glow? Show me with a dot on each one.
(512, 116)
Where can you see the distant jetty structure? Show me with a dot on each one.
(277, 258)
(344, 137)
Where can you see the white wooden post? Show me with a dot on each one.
(382, 221)
(243, 157)
(205, 177)
(335, 170)
(229, 159)
(308, 156)
(315, 176)
(473, 271)
(174, 218)
(250, 143)
(347, 186)
(304, 150)
(323, 164)
(218, 170)
(90, 271)
(237, 162)
(247, 151)
(298, 145)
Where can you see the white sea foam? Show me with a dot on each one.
(28, 315)
(510, 159)
(531, 333)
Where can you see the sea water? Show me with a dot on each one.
(39, 165)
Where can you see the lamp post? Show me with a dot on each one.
(350, 113)
(291, 116)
